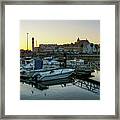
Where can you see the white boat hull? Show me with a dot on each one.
(54, 77)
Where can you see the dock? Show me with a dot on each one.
(84, 83)
(90, 85)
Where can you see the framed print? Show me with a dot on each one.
(59, 59)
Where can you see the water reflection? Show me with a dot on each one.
(87, 84)
(74, 88)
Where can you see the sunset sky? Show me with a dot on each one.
(58, 31)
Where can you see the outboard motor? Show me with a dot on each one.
(38, 64)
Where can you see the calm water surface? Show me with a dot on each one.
(77, 89)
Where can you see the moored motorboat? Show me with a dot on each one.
(40, 72)
(53, 74)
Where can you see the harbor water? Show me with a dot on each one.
(66, 89)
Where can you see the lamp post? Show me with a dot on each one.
(27, 41)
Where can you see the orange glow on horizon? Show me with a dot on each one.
(58, 32)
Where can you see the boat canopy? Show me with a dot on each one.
(38, 64)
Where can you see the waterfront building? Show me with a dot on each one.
(81, 43)
(79, 47)
(37, 49)
(25, 53)
(91, 49)
(47, 47)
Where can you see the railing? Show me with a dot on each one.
(88, 85)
